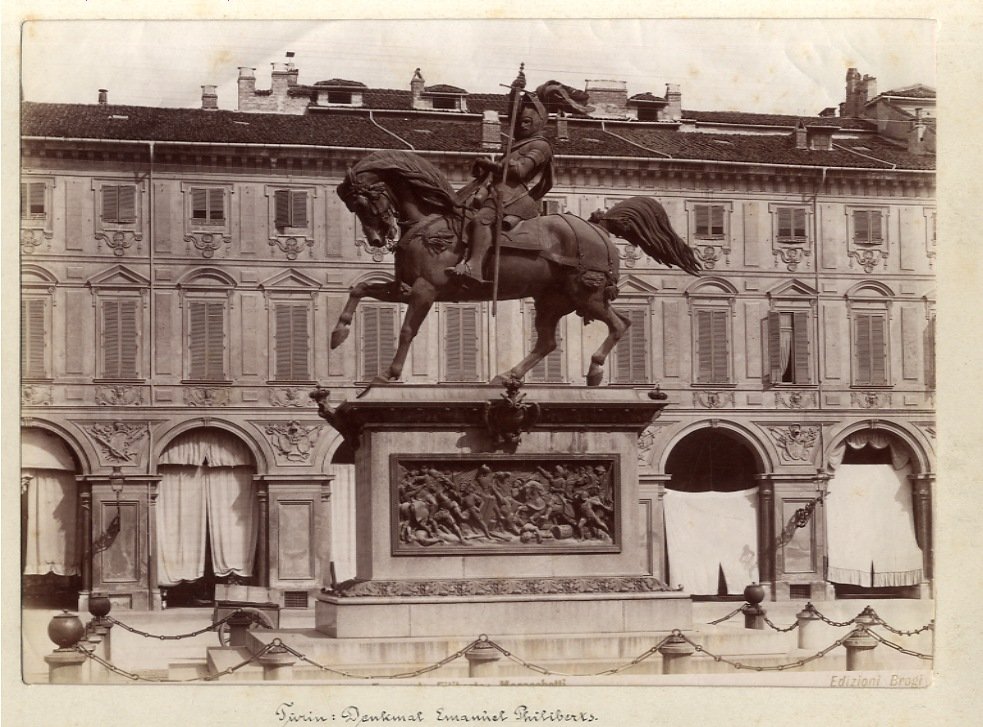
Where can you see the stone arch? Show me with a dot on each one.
(909, 436)
(328, 448)
(711, 285)
(262, 456)
(84, 456)
(763, 456)
(870, 288)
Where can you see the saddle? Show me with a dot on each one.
(590, 248)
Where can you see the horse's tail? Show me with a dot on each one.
(644, 223)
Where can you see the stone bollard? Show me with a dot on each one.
(93, 671)
(239, 629)
(809, 636)
(481, 658)
(677, 654)
(278, 663)
(754, 614)
(860, 650)
(66, 663)
(99, 607)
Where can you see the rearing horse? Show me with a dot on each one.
(562, 262)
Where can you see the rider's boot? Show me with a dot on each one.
(469, 269)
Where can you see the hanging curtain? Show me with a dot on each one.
(710, 531)
(217, 448)
(785, 341)
(42, 450)
(870, 527)
(877, 439)
(343, 521)
(52, 517)
(232, 518)
(181, 513)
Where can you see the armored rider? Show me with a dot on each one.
(528, 176)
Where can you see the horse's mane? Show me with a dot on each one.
(427, 182)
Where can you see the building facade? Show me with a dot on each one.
(182, 270)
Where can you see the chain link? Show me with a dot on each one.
(897, 647)
(779, 628)
(729, 615)
(778, 667)
(157, 680)
(175, 637)
(930, 626)
(607, 672)
(402, 675)
(815, 610)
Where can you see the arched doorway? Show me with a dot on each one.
(872, 546)
(207, 516)
(711, 513)
(50, 534)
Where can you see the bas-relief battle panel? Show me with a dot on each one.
(500, 504)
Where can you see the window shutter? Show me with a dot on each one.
(199, 204)
(775, 346)
(717, 219)
(298, 209)
(704, 348)
(861, 227)
(216, 204)
(800, 347)
(110, 338)
(721, 345)
(453, 343)
(110, 203)
(630, 355)
(784, 222)
(31, 198)
(378, 339)
(33, 338)
(930, 354)
(197, 337)
(300, 343)
(875, 227)
(23, 199)
(281, 203)
(878, 341)
(469, 343)
(127, 204)
(550, 369)
(799, 222)
(207, 340)
(702, 219)
(282, 341)
(291, 342)
(863, 348)
(129, 339)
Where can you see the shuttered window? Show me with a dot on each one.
(119, 204)
(551, 206)
(206, 340)
(791, 223)
(208, 205)
(789, 353)
(868, 227)
(32, 199)
(709, 220)
(33, 338)
(930, 354)
(550, 369)
(292, 342)
(630, 356)
(712, 346)
(870, 346)
(378, 339)
(120, 343)
(290, 208)
(461, 343)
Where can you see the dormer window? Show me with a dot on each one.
(340, 97)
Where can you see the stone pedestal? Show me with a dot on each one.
(465, 527)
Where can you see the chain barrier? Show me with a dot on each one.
(897, 647)
(402, 675)
(728, 616)
(548, 672)
(747, 667)
(272, 646)
(175, 637)
(930, 626)
(779, 628)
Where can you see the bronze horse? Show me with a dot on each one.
(562, 262)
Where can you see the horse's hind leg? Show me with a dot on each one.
(599, 308)
(549, 310)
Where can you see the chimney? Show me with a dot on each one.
(868, 90)
(853, 105)
(491, 130)
(916, 137)
(247, 86)
(674, 103)
(800, 136)
(562, 132)
(209, 99)
(416, 88)
(609, 99)
(103, 96)
(279, 80)
(292, 71)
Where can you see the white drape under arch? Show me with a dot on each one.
(711, 531)
(206, 486)
(870, 517)
(52, 515)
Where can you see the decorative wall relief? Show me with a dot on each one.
(797, 399)
(499, 586)
(378, 254)
(117, 441)
(510, 415)
(293, 441)
(629, 254)
(709, 254)
(292, 245)
(207, 396)
(791, 253)
(32, 238)
(795, 443)
(870, 399)
(208, 242)
(713, 399)
(119, 241)
(119, 395)
(290, 396)
(500, 504)
(33, 395)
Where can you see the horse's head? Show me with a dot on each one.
(369, 198)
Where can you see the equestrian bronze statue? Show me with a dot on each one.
(564, 263)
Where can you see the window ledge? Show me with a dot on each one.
(207, 382)
(879, 387)
(793, 386)
(119, 381)
(723, 385)
(291, 382)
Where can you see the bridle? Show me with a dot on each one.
(379, 199)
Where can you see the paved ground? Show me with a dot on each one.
(138, 653)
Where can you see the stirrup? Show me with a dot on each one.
(463, 271)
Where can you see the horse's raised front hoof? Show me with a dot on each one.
(499, 380)
(338, 336)
(594, 376)
(376, 381)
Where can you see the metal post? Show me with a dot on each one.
(808, 621)
(481, 659)
(677, 656)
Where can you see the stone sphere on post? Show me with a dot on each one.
(66, 630)
(754, 593)
(99, 605)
